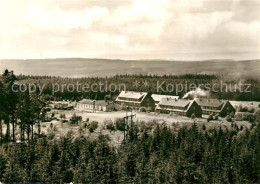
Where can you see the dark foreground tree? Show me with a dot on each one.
(150, 155)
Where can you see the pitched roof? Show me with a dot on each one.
(132, 94)
(210, 102)
(86, 101)
(174, 102)
(157, 98)
(101, 103)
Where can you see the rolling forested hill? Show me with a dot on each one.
(76, 67)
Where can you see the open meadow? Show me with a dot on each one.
(175, 121)
(59, 129)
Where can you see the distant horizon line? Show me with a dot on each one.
(169, 60)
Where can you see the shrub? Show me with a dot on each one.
(257, 116)
(124, 107)
(232, 114)
(236, 127)
(118, 107)
(87, 120)
(51, 135)
(244, 116)
(251, 110)
(55, 129)
(204, 127)
(229, 118)
(64, 121)
(148, 125)
(52, 115)
(142, 109)
(110, 126)
(258, 105)
(75, 119)
(62, 116)
(120, 124)
(242, 109)
(80, 131)
(85, 125)
(92, 126)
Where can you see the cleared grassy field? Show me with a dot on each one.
(141, 117)
(59, 129)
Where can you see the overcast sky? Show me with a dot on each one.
(130, 29)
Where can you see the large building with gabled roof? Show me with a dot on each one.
(135, 99)
(181, 107)
(215, 106)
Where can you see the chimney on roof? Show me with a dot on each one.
(175, 99)
(167, 99)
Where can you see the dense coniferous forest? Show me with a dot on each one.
(219, 88)
(152, 153)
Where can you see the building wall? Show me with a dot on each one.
(227, 109)
(82, 106)
(148, 102)
(194, 109)
(166, 111)
(101, 108)
(130, 104)
(90, 107)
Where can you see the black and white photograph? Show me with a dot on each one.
(130, 91)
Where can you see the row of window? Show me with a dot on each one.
(179, 113)
(171, 107)
(87, 106)
(209, 112)
(128, 99)
(131, 104)
(210, 108)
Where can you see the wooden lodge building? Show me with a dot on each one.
(158, 98)
(93, 106)
(181, 107)
(215, 106)
(136, 99)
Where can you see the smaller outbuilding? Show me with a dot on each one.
(94, 106)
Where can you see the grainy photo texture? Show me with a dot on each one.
(130, 91)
